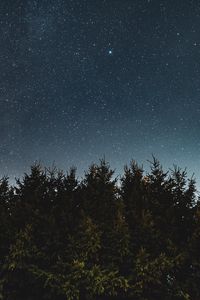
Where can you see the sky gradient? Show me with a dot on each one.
(84, 79)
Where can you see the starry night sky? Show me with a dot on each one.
(80, 79)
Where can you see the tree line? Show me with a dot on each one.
(62, 238)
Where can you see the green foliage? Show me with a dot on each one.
(96, 239)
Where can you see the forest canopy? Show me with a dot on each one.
(68, 239)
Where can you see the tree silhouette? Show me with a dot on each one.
(95, 238)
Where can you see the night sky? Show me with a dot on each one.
(80, 79)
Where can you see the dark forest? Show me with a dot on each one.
(134, 237)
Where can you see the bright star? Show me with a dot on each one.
(110, 52)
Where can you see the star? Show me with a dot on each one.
(86, 79)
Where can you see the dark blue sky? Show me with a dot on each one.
(85, 78)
